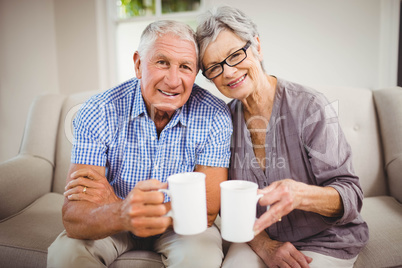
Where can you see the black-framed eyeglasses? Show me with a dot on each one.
(231, 60)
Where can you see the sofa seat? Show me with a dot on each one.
(380, 211)
(31, 231)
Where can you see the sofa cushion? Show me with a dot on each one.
(383, 215)
(43, 115)
(25, 236)
(357, 116)
(24, 179)
(389, 109)
(65, 137)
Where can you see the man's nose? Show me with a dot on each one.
(172, 77)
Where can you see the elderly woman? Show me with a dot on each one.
(288, 140)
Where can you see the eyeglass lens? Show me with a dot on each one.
(232, 60)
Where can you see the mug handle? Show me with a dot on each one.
(258, 198)
(167, 192)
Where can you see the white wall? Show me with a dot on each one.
(61, 46)
(76, 42)
(28, 65)
(46, 46)
(325, 42)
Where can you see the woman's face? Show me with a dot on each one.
(239, 81)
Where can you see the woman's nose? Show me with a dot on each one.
(228, 71)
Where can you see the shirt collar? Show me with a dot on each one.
(138, 107)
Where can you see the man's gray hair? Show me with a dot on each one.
(162, 27)
(222, 18)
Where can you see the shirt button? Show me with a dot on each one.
(153, 138)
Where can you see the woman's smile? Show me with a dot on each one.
(237, 82)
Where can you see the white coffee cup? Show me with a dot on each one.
(189, 205)
(238, 210)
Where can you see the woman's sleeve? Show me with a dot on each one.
(330, 156)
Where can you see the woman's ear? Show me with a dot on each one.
(259, 50)
(137, 65)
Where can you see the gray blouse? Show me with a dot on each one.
(304, 142)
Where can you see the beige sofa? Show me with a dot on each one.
(32, 182)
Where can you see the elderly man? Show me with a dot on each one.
(127, 141)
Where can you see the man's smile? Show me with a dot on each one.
(167, 93)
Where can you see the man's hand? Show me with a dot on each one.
(278, 254)
(143, 211)
(88, 185)
(97, 212)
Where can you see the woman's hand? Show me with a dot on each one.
(286, 195)
(278, 254)
(282, 196)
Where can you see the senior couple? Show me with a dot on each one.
(129, 139)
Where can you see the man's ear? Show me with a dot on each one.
(137, 65)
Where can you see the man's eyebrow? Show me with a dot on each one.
(159, 56)
(187, 62)
(164, 57)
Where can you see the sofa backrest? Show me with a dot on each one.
(357, 116)
(358, 119)
(65, 137)
(389, 109)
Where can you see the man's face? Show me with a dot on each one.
(167, 73)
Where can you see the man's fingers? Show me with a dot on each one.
(80, 196)
(147, 226)
(141, 197)
(148, 211)
(76, 190)
(151, 222)
(81, 182)
(151, 185)
(86, 172)
(146, 232)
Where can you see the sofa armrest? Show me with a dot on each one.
(41, 127)
(388, 103)
(23, 179)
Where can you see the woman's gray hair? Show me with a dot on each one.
(162, 27)
(212, 22)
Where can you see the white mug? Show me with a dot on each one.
(189, 205)
(238, 210)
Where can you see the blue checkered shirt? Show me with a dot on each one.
(113, 129)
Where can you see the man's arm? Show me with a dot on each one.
(214, 176)
(98, 212)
